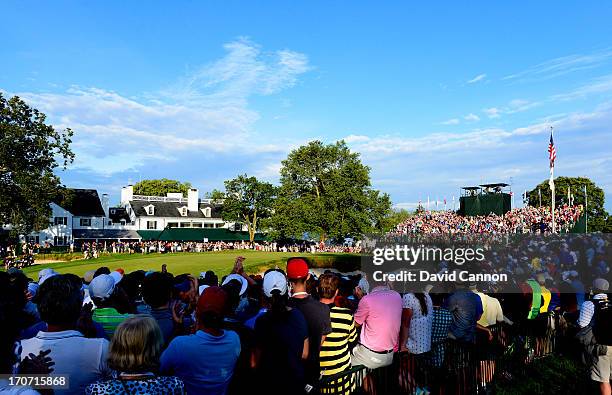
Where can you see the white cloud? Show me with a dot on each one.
(438, 164)
(478, 78)
(206, 112)
(245, 70)
(476, 140)
(472, 117)
(597, 86)
(562, 65)
(492, 112)
(452, 121)
(353, 138)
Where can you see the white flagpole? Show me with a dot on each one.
(540, 196)
(551, 183)
(586, 214)
(427, 202)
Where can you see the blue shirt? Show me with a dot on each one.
(579, 289)
(281, 342)
(466, 308)
(204, 362)
(165, 321)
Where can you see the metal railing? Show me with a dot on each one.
(453, 367)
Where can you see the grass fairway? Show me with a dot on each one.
(221, 262)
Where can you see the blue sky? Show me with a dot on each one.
(433, 96)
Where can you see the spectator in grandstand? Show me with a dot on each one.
(315, 313)
(204, 361)
(134, 354)
(597, 313)
(379, 313)
(281, 341)
(83, 360)
(335, 354)
(157, 293)
(107, 302)
(417, 318)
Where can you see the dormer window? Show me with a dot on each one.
(207, 212)
(183, 211)
(150, 209)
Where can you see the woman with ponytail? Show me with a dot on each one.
(281, 341)
(417, 317)
(415, 339)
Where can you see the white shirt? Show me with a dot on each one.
(419, 333)
(6, 389)
(588, 309)
(82, 359)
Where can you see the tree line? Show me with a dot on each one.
(324, 193)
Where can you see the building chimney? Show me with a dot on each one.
(127, 194)
(192, 199)
(104, 202)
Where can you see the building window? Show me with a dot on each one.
(60, 240)
(151, 224)
(219, 225)
(173, 224)
(150, 209)
(185, 225)
(207, 212)
(196, 225)
(183, 211)
(60, 221)
(85, 222)
(209, 225)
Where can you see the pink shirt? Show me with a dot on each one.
(380, 313)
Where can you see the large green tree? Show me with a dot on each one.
(326, 191)
(395, 217)
(597, 215)
(30, 152)
(246, 200)
(161, 187)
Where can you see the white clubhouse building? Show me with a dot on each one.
(83, 216)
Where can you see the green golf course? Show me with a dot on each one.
(221, 262)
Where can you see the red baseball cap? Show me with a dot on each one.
(297, 268)
(212, 300)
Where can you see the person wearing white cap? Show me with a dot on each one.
(281, 340)
(102, 292)
(44, 274)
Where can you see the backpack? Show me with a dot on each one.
(602, 322)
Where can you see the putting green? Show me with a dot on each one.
(221, 262)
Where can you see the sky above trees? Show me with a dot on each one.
(434, 97)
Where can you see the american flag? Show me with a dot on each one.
(552, 151)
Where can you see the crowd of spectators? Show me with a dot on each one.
(520, 220)
(281, 332)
